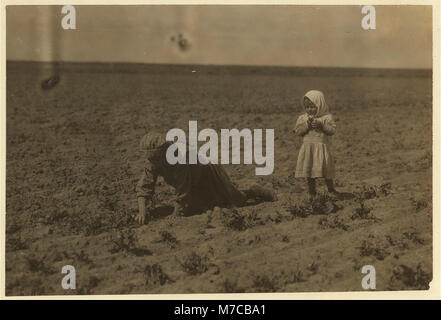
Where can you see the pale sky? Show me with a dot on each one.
(234, 35)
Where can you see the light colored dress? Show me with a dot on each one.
(315, 159)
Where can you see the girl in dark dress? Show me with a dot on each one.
(199, 187)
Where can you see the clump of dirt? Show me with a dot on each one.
(408, 277)
(194, 263)
(374, 247)
(322, 203)
(154, 275)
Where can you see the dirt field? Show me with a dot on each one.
(73, 162)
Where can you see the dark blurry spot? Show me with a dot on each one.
(161, 212)
(183, 44)
(181, 41)
(50, 83)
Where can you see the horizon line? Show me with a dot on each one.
(216, 65)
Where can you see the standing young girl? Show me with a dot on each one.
(316, 126)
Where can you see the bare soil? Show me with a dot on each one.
(73, 162)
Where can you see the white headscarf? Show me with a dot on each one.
(318, 99)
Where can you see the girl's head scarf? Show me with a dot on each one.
(318, 99)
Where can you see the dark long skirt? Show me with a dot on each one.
(200, 187)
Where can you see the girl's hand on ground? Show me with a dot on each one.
(177, 211)
(140, 218)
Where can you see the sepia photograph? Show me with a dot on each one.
(196, 149)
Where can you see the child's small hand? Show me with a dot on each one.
(316, 124)
(309, 121)
(178, 210)
(140, 218)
